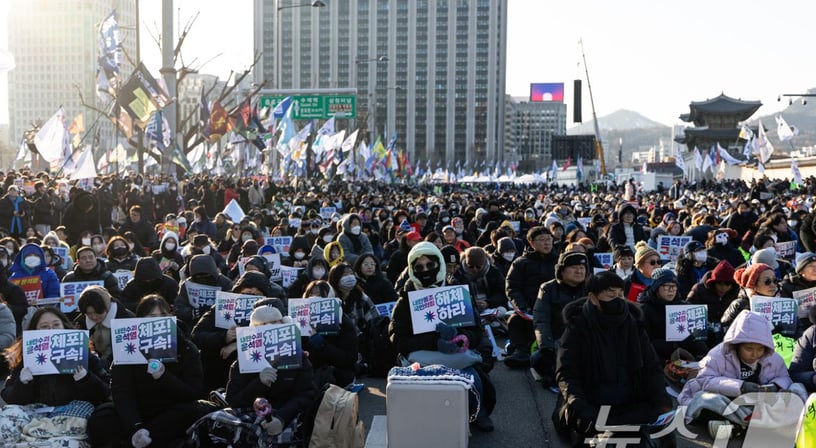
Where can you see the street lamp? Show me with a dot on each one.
(314, 4)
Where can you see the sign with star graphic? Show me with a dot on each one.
(137, 340)
(683, 321)
(233, 310)
(201, 297)
(51, 352)
(780, 312)
(324, 314)
(273, 345)
(70, 291)
(448, 304)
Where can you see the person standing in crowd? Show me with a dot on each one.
(13, 212)
(43, 207)
(626, 231)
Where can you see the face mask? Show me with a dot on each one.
(459, 230)
(246, 237)
(348, 281)
(206, 250)
(792, 222)
(119, 251)
(131, 246)
(427, 278)
(98, 247)
(299, 255)
(86, 241)
(314, 231)
(32, 262)
(613, 307)
(328, 238)
(721, 239)
(355, 230)
(762, 209)
(170, 246)
(445, 219)
(700, 256)
(318, 273)
(204, 279)
(509, 256)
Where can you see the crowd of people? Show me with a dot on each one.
(593, 332)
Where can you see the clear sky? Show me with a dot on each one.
(653, 57)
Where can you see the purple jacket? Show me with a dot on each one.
(720, 369)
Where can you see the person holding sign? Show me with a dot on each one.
(148, 279)
(290, 392)
(89, 268)
(204, 276)
(797, 284)
(22, 387)
(758, 279)
(716, 290)
(97, 308)
(168, 255)
(30, 262)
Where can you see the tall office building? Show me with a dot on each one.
(431, 70)
(55, 46)
(529, 128)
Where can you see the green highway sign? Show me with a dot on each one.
(316, 107)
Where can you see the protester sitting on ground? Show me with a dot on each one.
(605, 359)
(148, 279)
(624, 259)
(716, 290)
(646, 261)
(89, 268)
(168, 255)
(757, 279)
(802, 368)
(202, 272)
(373, 281)
(30, 262)
(692, 266)
(352, 239)
(97, 309)
(119, 256)
(333, 253)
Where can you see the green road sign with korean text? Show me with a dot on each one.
(316, 107)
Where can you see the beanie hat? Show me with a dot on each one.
(747, 277)
(413, 236)
(803, 260)
(505, 244)
(450, 254)
(570, 259)
(643, 251)
(263, 315)
(766, 256)
(661, 276)
(586, 242)
(723, 272)
(622, 250)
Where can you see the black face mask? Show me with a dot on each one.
(204, 279)
(613, 307)
(427, 278)
(119, 251)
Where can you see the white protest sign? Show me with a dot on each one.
(327, 212)
(70, 291)
(123, 277)
(233, 309)
(671, 247)
(273, 261)
(61, 252)
(805, 300)
(322, 314)
(265, 346)
(449, 304)
(138, 340)
(51, 352)
(201, 297)
(605, 259)
(234, 211)
(288, 275)
(780, 312)
(280, 243)
(683, 321)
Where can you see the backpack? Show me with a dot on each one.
(336, 423)
(379, 351)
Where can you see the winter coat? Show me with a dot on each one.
(291, 394)
(101, 341)
(143, 230)
(553, 296)
(526, 275)
(488, 285)
(654, 319)
(204, 227)
(126, 264)
(59, 390)
(99, 272)
(353, 245)
(339, 351)
(81, 214)
(8, 327)
(303, 279)
(617, 233)
(199, 264)
(720, 369)
(803, 365)
(701, 294)
(688, 275)
(148, 279)
(8, 220)
(172, 255)
(378, 288)
(16, 301)
(726, 252)
(48, 279)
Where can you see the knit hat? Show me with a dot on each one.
(661, 276)
(622, 250)
(643, 251)
(586, 242)
(572, 259)
(766, 256)
(413, 236)
(747, 277)
(264, 314)
(803, 260)
(450, 254)
(505, 244)
(723, 272)
(201, 240)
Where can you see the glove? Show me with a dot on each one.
(769, 388)
(268, 376)
(317, 341)
(748, 387)
(141, 438)
(273, 427)
(80, 373)
(26, 376)
(445, 331)
(445, 346)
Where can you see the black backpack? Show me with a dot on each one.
(380, 352)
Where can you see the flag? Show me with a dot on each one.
(746, 133)
(750, 147)
(178, 157)
(580, 166)
(240, 117)
(218, 124)
(392, 144)
(109, 61)
(142, 95)
(567, 164)
(327, 128)
(348, 143)
(728, 158)
(707, 164)
(765, 147)
(554, 171)
(797, 175)
(85, 166)
(784, 131)
(698, 159)
(281, 108)
(715, 153)
(52, 138)
(157, 133)
(287, 133)
(203, 115)
(678, 159)
(645, 167)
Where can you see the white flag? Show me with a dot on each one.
(554, 171)
(678, 160)
(797, 175)
(764, 145)
(750, 147)
(707, 165)
(746, 133)
(348, 144)
(784, 131)
(85, 166)
(724, 155)
(643, 168)
(53, 137)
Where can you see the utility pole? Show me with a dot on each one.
(168, 72)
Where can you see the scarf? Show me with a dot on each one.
(602, 348)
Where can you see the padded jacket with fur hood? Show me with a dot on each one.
(353, 245)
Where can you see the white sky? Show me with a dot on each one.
(653, 57)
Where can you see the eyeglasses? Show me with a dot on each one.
(541, 240)
(424, 267)
(669, 287)
(770, 281)
(653, 262)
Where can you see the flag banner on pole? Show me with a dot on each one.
(766, 149)
(797, 175)
(785, 131)
(109, 60)
(142, 95)
(728, 158)
(698, 159)
(52, 138)
(678, 159)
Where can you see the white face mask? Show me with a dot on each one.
(246, 237)
(299, 255)
(792, 222)
(700, 256)
(509, 256)
(328, 238)
(98, 247)
(355, 230)
(32, 262)
(131, 246)
(86, 241)
(170, 246)
(314, 231)
(348, 281)
(318, 273)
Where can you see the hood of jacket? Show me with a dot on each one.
(346, 221)
(431, 251)
(147, 268)
(170, 234)
(299, 243)
(203, 264)
(749, 327)
(624, 209)
(26, 250)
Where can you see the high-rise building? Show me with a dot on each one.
(55, 45)
(529, 128)
(431, 70)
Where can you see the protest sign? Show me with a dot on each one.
(138, 340)
(233, 309)
(50, 352)
(61, 252)
(242, 265)
(385, 309)
(584, 221)
(605, 259)
(327, 212)
(805, 299)
(123, 277)
(780, 312)
(280, 243)
(786, 250)
(234, 211)
(274, 264)
(70, 292)
(323, 314)
(671, 247)
(784, 346)
(32, 288)
(201, 297)
(450, 304)
(274, 345)
(516, 225)
(289, 275)
(683, 321)
(294, 223)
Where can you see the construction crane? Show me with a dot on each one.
(599, 152)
